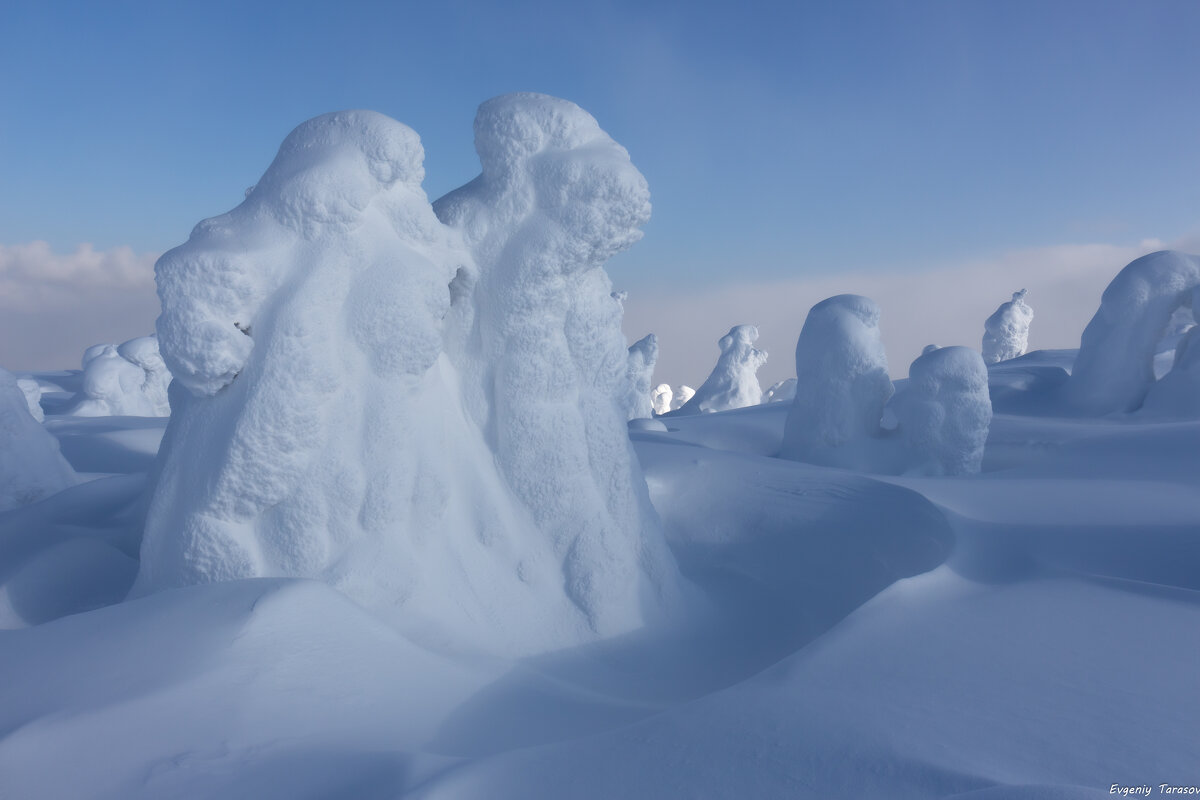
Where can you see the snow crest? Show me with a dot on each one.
(426, 414)
(1006, 331)
(734, 380)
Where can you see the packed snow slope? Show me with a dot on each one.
(318, 611)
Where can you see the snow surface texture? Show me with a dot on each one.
(842, 384)
(1115, 367)
(33, 397)
(31, 466)
(660, 398)
(1006, 332)
(734, 380)
(639, 375)
(944, 411)
(127, 380)
(354, 379)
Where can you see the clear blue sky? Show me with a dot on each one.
(778, 138)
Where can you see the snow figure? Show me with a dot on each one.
(681, 396)
(31, 466)
(660, 398)
(364, 398)
(1115, 366)
(944, 412)
(33, 397)
(842, 384)
(734, 380)
(783, 391)
(126, 380)
(538, 335)
(1006, 331)
(1177, 393)
(638, 373)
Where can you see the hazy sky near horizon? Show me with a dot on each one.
(784, 143)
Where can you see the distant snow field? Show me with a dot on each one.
(414, 520)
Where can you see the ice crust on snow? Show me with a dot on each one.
(734, 380)
(944, 411)
(660, 398)
(639, 375)
(1115, 366)
(1006, 331)
(31, 466)
(842, 383)
(354, 383)
(127, 380)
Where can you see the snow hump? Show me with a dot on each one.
(1115, 366)
(1006, 331)
(734, 380)
(425, 410)
(842, 382)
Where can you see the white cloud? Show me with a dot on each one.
(943, 305)
(54, 305)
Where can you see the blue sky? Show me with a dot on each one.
(779, 139)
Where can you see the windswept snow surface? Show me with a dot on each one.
(426, 414)
(1006, 331)
(734, 380)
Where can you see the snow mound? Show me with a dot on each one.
(33, 397)
(354, 383)
(31, 466)
(128, 380)
(783, 391)
(682, 395)
(1115, 366)
(660, 398)
(944, 412)
(842, 383)
(1006, 331)
(638, 374)
(734, 380)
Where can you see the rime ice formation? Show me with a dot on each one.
(782, 391)
(1177, 393)
(1006, 331)
(123, 380)
(734, 380)
(1115, 366)
(33, 397)
(681, 396)
(31, 466)
(424, 413)
(842, 383)
(660, 398)
(639, 373)
(944, 412)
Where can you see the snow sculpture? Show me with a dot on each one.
(31, 466)
(126, 380)
(734, 380)
(782, 391)
(660, 398)
(33, 397)
(842, 383)
(639, 372)
(1115, 366)
(1006, 331)
(681, 396)
(427, 417)
(944, 412)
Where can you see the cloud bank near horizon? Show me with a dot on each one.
(944, 305)
(55, 305)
